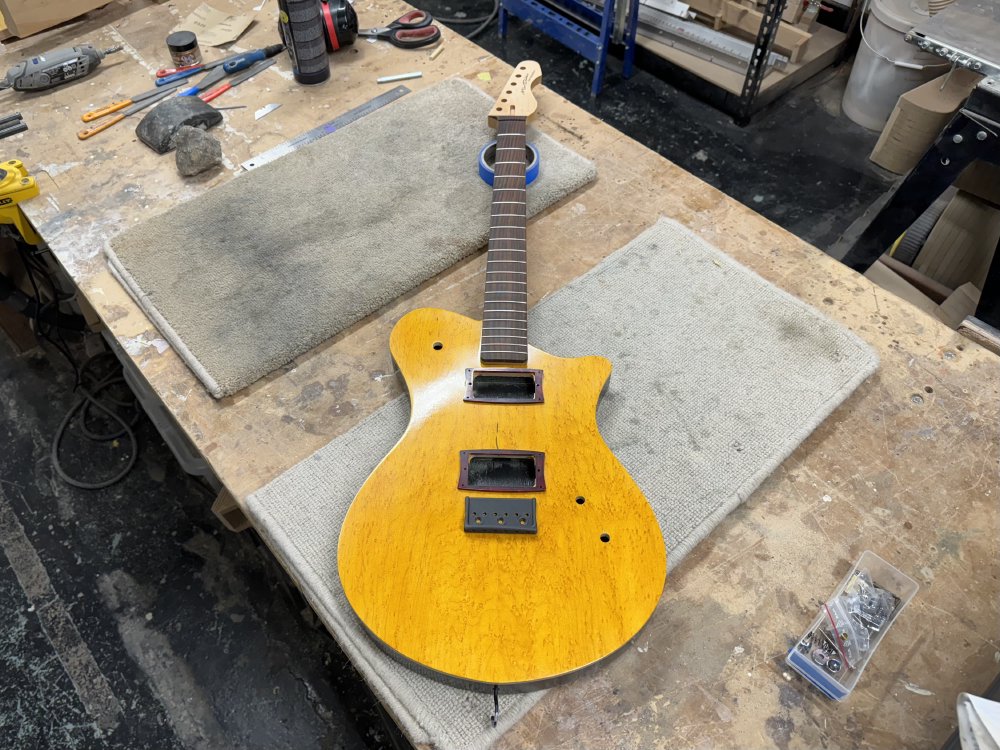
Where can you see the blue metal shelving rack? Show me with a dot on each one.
(563, 21)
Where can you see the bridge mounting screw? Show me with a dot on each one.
(956, 138)
(981, 135)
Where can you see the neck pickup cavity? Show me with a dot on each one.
(503, 385)
(502, 471)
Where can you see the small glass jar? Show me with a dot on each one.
(184, 49)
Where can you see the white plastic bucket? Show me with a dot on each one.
(886, 65)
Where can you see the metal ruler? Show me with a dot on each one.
(325, 129)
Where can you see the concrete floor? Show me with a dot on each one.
(133, 620)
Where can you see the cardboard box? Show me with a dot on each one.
(982, 179)
(24, 17)
(961, 245)
(793, 11)
(919, 117)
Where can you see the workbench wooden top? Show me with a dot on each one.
(907, 467)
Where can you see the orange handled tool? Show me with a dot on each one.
(144, 102)
(96, 114)
(154, 94)
(85, 134)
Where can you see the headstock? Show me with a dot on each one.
(517, 99)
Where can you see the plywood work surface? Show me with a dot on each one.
(907, 467)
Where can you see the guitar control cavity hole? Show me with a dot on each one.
(605, 538)
(581, 500)
(438, 346)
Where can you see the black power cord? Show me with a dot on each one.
(90, 397)
(483, 21)
(31, 267)
(28, 306)
(46, 316)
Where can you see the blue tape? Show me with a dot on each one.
(489, 153)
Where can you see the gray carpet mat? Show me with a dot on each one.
(718, 377)
(255, 272)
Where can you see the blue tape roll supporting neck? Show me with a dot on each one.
(488, 155)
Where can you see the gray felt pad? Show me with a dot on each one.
(718, 376)
(252, 274)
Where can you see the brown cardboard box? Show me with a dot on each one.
(793, 11)
(24, 17)
(961, 245)
(982, 179)
(919, 117)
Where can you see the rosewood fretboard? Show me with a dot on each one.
(505, 311)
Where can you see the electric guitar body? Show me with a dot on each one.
(500, 542)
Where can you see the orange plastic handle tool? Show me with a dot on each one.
(85, 134)
(96, 114)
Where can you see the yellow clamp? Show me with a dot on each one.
(17, 185)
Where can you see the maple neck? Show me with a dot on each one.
(505, 310)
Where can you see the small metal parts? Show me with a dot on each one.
(821, 649)
(848, 627)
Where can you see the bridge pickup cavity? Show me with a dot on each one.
(503, 385)
(502, 471)
(501, 515)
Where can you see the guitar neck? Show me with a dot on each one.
(505, 310)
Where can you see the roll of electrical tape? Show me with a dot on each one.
(488, 156)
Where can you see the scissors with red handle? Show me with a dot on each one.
(410, 30)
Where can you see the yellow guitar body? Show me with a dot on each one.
(499, 608)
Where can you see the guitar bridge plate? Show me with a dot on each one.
(501, 515)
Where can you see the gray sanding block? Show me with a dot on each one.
(159, 126)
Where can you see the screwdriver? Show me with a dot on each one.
(53, 69)
(246, 60)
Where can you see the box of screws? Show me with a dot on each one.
(849, 626)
